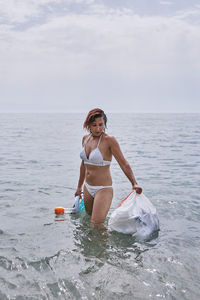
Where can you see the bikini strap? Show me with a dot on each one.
(99, 140)
(87, 140)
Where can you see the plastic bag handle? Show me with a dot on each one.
(120, 203)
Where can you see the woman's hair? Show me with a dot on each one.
(92, 115)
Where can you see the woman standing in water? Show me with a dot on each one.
(96, 155)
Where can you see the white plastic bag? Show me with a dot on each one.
(136, 215)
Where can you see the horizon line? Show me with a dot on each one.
(107, 111)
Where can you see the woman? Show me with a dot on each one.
(96, 155)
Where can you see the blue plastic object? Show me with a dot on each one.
(78, 205)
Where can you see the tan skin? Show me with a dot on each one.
(98, 207)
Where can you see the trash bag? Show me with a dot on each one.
(135, 215)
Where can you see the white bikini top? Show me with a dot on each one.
(95, 156)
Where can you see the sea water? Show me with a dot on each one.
(43, 256)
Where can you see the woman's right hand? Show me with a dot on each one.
(137, 188)
(78, 192)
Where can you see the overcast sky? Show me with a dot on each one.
(74, 55)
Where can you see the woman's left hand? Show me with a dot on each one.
(137, 189)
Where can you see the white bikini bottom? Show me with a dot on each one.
(92, 189)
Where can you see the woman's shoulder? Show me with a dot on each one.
(109, 138)
(85, 137)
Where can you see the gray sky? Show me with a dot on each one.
(74, 55)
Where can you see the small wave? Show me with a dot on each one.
(10, 265)
(32, 161)
(43, 192)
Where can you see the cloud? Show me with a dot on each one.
(17, 10)
(191, 15)
(20, 11)
(97, 51)
(165, 2)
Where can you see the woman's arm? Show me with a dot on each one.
(81, 179)
(123, 163)
(82, 174)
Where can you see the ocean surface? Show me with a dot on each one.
(43, 256)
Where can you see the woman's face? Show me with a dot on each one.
(97, 126)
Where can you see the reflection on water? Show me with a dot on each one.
(108, 259)
(110, 247)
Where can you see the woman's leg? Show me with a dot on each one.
(101, 205)
(88, 201)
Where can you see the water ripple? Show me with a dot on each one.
(41, 258)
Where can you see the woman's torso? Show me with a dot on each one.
(97, 148)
